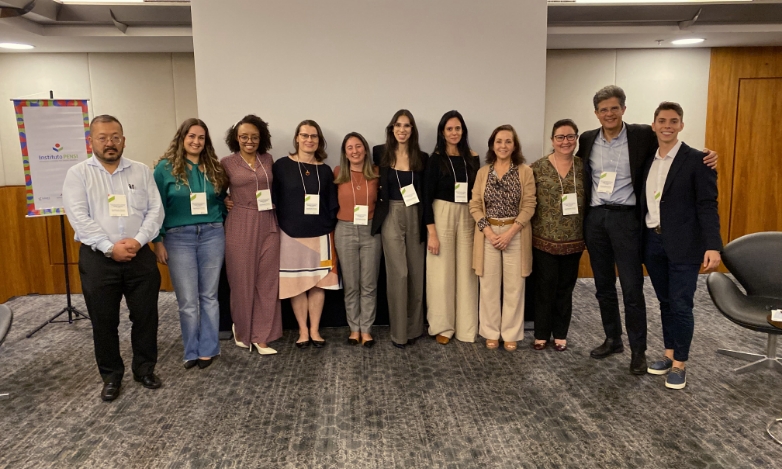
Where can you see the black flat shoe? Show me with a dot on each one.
(400, 346)
(318, 343)
(190, 364)
(352, 341)
(149, 381)
(110, 391)
(306, 343)
(204, 363)
(369, 343)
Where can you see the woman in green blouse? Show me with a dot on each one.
(192, 241)
(557, 235)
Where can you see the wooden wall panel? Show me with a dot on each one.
(31, 261)
(728, 67)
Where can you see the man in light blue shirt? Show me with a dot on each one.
(114, 208)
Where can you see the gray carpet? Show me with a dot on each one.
(454, 406)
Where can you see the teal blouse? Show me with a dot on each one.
(176, 198)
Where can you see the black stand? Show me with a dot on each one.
(69, 308)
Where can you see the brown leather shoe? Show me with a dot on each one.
(539, 345)
(441, 339)
(492, 344)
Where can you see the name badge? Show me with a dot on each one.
(361, 215)
(460, 192)
(570, 204)
(607, 180)
(409, 195)
(657, 195)
(118, 205)
(264, 200)
(311, 204)
(198, 203)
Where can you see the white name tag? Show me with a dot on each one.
(198, 203)
(361, 215)
(776, 315)
(118, 205)
(311, 204)
(264, 200)
(409, 195)
(607, 180)
(460, 192)
(570, 204)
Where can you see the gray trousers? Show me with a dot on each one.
(405, 257)
(359, 261)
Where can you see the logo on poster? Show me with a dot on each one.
(58, 155)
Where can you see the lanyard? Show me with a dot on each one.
(366, 183)
(561, 186)
(466, 175)
(316, 173)
(255, 173)
(203, 173)
(412, 178)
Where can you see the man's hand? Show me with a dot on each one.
(710, 160)
(122, 252)
(711, 260)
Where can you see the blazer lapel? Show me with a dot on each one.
(678, 162)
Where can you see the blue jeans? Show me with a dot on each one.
(674, 285)
(195, 256)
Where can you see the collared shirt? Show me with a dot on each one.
(85, 196)
(655, 183)
(612, 156)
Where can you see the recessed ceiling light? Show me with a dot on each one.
(14, 45)
(694, 40)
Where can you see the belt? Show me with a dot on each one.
(495, 222)
(616, 207)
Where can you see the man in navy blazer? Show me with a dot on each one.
(614, 156)
(682, 233)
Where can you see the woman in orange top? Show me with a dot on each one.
(358, 250)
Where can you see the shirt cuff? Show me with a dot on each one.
(104, 246)
(142, 240)
(482, 223)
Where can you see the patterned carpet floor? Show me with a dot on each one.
(454, 406)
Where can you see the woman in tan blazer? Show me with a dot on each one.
(503, 202)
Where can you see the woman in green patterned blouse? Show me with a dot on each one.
(557, 235)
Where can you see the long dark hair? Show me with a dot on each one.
(413, 149)
(176, 156)
(463, 146)
(232, 136)
(516, 156)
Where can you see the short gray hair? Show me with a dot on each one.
(608, 92)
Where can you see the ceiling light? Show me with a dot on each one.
(682, 42)
(16, 46)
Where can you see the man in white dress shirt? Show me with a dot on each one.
(114, 207)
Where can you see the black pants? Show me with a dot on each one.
(613, 238)
(104, 283)
(555, 278)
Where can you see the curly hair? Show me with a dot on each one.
(176, 157)
(232, 136)
(516, 157)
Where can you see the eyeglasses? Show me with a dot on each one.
(606, 110)
(116, 140)
(569, 137)
(247, 138)
(308, 136)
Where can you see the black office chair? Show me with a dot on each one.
(6, 318)
(755, 260)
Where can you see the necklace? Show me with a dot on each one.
(351, 177)
(306, 171)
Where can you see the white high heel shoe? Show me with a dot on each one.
(265, 350)
(240, 344)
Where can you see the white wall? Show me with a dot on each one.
(647, 76)
(149, 93)
(350, 64)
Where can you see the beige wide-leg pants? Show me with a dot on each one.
(502, 271)
(451, 283)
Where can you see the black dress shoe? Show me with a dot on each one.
(306, 343)
(402, 346)
(318, 343)
(352, 341)
(149, 381)
(190, 364)
(638, 364)
(110, 390)
(204, 363)
(609, 346)
(369, 343)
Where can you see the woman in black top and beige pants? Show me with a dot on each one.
(398, 219)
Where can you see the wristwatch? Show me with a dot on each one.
(109, 251)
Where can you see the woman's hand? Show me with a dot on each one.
(489, 234)
(711, 260)
(161, 253)
(229, 204)
(432, 243)
(504, 239)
